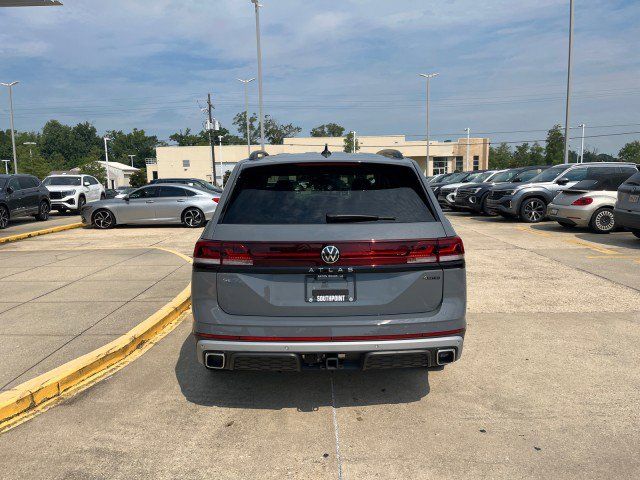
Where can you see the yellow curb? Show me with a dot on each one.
(25, 398)
(37, 233)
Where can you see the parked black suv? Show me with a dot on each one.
(22, 196)
(474, 197)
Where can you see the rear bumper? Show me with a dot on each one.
(357, 354)
(578, 216)
(627, 219)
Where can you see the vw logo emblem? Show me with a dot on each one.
(330, 254)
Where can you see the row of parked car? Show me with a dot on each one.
(599, 196)
(188, 201)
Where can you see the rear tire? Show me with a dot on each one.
(43, 212)
(193, 217)
(4, 217)
(103, 219)
(533, 210)
(602, 221)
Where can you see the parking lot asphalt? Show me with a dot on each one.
(547, 388)
(30, 224)
(64, 296)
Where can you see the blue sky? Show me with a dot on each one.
(128, 63)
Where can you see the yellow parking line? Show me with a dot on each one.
(597, 248)
(37, 233)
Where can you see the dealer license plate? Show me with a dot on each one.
(330, 289)
(553, 211)
(633, 198)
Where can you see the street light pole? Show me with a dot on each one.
(246, 109)
(30, 145)
(132, 157)
(466, 160)
(428, 76)
(220, 155)
(13, 133)
(6, 166)
(259, 48)
(106, 157)
(569, 65)
(582, 144)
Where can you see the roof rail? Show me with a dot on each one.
(258, 154)
(391, 153)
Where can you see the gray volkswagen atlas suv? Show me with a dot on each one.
(328, 262)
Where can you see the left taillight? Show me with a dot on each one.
(584, 201)
(216, 199)
(450, 249)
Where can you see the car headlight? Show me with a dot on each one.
(68, 193)
(476, 190)
(510, 192)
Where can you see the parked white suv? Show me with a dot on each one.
(72, 192)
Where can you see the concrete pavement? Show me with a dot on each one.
(30, 224)
(547, 387)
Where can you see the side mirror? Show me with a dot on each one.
(126, 198)
(9, 190)
(562, 181)
(87, 184)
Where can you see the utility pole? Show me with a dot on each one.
(106, 157)
(132, 157)
(246, 109)
(259, 49)
(6, 166)
(13, 132)
(466, 160)
(428, 76)
(354, 142)
(582, 144)
(568, 107)
(221, 169)
(210, 127)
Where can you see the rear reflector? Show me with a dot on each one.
(353, 254)
(359, 338)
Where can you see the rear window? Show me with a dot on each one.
(603, 178)
(306, 194)
(634, 180)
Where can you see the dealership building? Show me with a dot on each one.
(445, 157)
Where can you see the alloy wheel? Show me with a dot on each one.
(534, 210)
(44, 211)
(103, 219)
(604, 221)
(193, 218)
(4, 217)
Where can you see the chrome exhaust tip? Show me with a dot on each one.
(214, 361)
(446, 356)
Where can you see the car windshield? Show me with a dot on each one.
(550, 174)
(62, 181)
(456, 178)
(319, 194)
(478, 177)
(504, 176)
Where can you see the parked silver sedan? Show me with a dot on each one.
(153, 204)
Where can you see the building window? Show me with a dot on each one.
(476, 162)
(440, 165)
(155, 174)
(186, 163)
(459, 164)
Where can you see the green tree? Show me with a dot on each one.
(536, 154)
(554, 152)
(348, 143)
(500, 157)
(276, 132)
(137, 143)
(328, 130)
(630, 152)
(521, 155)
(240, 122)
(94, 169)
(187, 139)
(139, 178)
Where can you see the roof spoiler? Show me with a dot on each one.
(258, 154)
(391, 153)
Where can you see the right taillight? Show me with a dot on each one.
(581, 202)
(352, 253)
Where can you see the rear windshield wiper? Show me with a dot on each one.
(356, 218)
